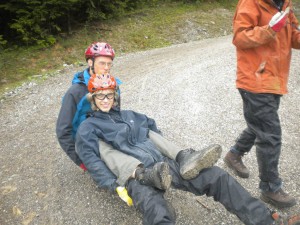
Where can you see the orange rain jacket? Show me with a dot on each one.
(263, 56)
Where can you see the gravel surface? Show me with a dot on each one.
(188, 88)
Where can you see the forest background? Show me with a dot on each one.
(38, 37)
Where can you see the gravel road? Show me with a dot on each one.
(188, 88)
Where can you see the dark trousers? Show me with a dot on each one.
(263, 130)
(213, 182)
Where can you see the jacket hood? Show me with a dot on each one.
(82, 77)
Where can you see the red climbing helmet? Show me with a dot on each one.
(101, 82)
(99, 49)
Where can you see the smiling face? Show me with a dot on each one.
(104, 99)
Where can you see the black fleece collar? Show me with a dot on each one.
(279, 4)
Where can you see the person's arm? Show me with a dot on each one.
(87, 147)
(152, 125)
(246, 29)
(64, 126)
(295, 32)
(144, 121)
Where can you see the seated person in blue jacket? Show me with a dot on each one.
(99, 57)
(128, 131)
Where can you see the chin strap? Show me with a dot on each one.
(93, 70)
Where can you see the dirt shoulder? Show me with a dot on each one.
(188, 88)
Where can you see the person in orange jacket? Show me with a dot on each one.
(265, 31)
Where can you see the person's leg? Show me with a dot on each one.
(261, 115)
(165, 147)
(126, 167)
(151, 203)
(225, 189)
(268, 149)
(244, 142)
(121, 164)
(191, 161)
(268, 140)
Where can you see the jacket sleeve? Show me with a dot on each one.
(87, 147)
(152, 125)
(64, 126)
(246, 31)
(295, 32)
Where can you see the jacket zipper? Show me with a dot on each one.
(128, 125)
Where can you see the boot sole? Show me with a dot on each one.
(209, 157)
(165, 177)
(276, 203)
(238, 173)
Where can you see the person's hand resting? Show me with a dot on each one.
(123, 194)
(82, 166)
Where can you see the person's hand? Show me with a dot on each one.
(82, 166)
(279, 20)
(123, 194)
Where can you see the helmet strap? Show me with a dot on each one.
(93, 69)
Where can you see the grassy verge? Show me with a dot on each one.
(147, 28)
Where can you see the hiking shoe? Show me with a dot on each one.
(279, 198)
(158, 176)
(234, 162)
(285, 220)
(191, 162)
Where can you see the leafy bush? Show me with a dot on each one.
(34, 22)
(37, 22)
(2, 41)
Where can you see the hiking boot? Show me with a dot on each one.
(191, 162)
(285, 220)
(158, 176)
(234, 161)
(279, 198)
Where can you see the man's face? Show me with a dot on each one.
(102, 64)
(105, 99)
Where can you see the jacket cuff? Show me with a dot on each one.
(271, 31)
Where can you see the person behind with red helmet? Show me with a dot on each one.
(128, 131)
(99, 57)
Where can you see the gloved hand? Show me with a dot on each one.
(279, 20)
(123, 194)
(82, 166)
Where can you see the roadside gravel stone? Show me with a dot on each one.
(189, 89)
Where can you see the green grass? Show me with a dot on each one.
(147, 28)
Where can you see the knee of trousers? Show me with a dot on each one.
(151, 203)
(213, 173)
(210, 181)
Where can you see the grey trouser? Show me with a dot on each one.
(263, 130)
(123, 165)
(165, 147)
